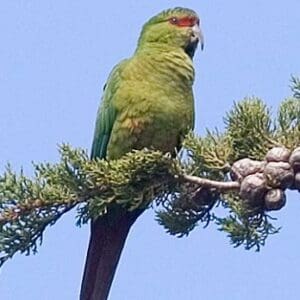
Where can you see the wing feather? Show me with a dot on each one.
(106, 114)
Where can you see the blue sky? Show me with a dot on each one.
(54, 59)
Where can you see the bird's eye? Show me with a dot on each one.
(185, 21)
(173, 20)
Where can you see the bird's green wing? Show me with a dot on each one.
(106, 113)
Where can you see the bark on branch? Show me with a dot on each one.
(212, 184)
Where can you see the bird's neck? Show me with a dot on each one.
(159, 49)
(161, 59)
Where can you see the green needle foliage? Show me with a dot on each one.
(148, 178)
(28, 206)
(249, 132)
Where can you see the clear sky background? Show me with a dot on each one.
(54, 59)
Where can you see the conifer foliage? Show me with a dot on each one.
(246, 169)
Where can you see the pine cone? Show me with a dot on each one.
(278, 154)
(275, 199)
(253, 188)
(279, 175)
(244, 167)
(296, 184)
(295, 160)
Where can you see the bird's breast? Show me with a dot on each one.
(155, 108)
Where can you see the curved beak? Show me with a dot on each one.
(198, 35)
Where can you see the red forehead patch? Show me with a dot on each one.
(184, 21)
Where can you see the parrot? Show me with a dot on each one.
(147, 102)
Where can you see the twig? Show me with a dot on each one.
(12, 213)
(219, 185)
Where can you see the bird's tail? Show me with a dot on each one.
(107, 239)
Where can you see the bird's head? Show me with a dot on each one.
(178, 27)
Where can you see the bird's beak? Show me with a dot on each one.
(197, 35)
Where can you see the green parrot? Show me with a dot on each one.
(147, 102)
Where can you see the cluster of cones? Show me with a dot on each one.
(263, 183)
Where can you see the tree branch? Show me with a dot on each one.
(212, 184)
